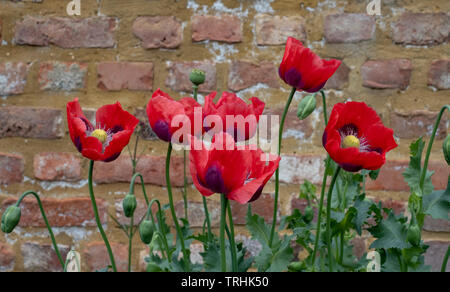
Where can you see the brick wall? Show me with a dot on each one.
(397, 62)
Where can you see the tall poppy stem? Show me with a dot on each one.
(444, 262)
(130, 242)
(97, 218)
(223, 258)
(232, 239)
(330, 192)
(185, 187)
(277, 172)
(172, 208)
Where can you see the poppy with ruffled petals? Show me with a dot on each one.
(105, 141)
(244, 117)
(162, 109)
(356, 138)
(303, 69)
(240, 174)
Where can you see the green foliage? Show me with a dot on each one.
(437, 204)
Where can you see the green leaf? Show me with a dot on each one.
(373, 174)
(275, 259)
(259, 229)
(390, 233)
(362, 207)
(437, 204)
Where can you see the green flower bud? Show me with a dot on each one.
(295, 267)
(446, 149)
(152, 267)
(197, 77)
(306, 106)
(146, 230)
(413, 235)
(309, 214)
(129, 205)
(10, 219)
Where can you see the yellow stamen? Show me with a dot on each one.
(350, 141)
(100, 134)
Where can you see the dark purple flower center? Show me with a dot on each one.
(214, 180)
(161, 129)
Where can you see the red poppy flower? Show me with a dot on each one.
(242, 118)
(238, 173)
(303, 69)
(105, 141)
(356, 138)
(162, 110)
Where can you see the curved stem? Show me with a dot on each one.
(172, 208)
(132, 183)
(277, 172)
(130, 242)
(232, 240)
(223, 258)
(52, 236)
(444, 262)
(330, 192)
(97, 218)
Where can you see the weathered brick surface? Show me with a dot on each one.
(57, 166)
(436, 225)
(13, 78)
(196, 212)
(63, 76)
(1, 29)
(38, 257)
(439, 74)
(7, 258)
(225, 28)
(67, 212)
(391, 178)
(397, 207)
(158, 31)
(178, 78)
(263, 206)
(246, 74)
(385, 74)
(293, 127)
(295, 169)
(152, 168)
(114, 76)
(435, 255)
(11, 168)
(28, 122)
(340, 78)
(144, 129)
(421, 29)
(274, 29)
(68, 33)
(349, 28)
(96, 256)
(417, 123)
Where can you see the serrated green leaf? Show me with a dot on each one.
(389, 233)
(362, 207)
(413, 172)
(275, 259)
(437, 204)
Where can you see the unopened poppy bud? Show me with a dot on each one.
(309, 214)
(306, 106)
(197, 77)
(10, 219)
(129, 205)
(446, 149)
(413, 235)
(146, 230)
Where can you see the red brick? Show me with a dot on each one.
(274, 30)
(421, 29)
(67, 212)
(293, 127)
(359, 246)
(390, 177)
(68, 33)
(340, 78)
(114, 76)
(262, 206)
(417, 123)
(439, 74)
(28, 122)
(435, 255)
(225, 28)
(13, 77)
(196, 212)
(295, 169)
(7, 258)
(54, 166)
(38, 257)
(436, 225)
(386, 74)
(96, 256)
(178, 78)
(152, 168)
(158, 31)
(62, 76)
(245, 74)
(11, 168)
(349, 28)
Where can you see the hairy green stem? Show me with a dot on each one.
(444, 262)
(223, 258)
(130, 242)
(328, 230)
(232, 240)
(185, 187)
(132, 183)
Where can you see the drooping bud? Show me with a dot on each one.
(146, 230)
(309, 214)
(10, 219)
(129, 205)
(446, 149)
(306, 106)
(197, 77)
(413, 235)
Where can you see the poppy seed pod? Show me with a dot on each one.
(306, 106)
(10, 219)
(146, 230)
(446, 149)
(309, 214)
(129, 205)
(197, 77)
(413, 235)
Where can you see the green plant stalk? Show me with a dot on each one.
(97, 218)
(324, 106)
(341, 253)
(328, 230)
(232, 240)
(160, 226)
(277, 172)
(172, 208)
(223, 258)
(444, 262)
(52, 236)
(185, 187)
(132, 183)
(130, 242)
